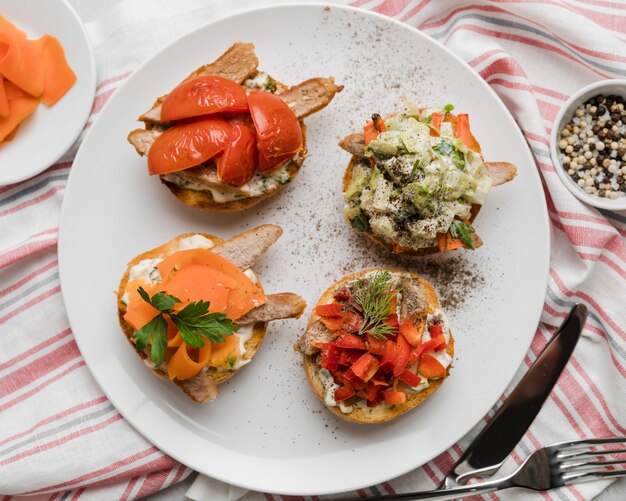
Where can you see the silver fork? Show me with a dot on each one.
(550, 467)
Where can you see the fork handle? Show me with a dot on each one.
(443, 494)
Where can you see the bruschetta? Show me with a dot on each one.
(377, 345)
(195, 312)
(229, 135)
(417, 180)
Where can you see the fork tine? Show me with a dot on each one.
(579, 444)
(595, 475)
(588, 454)
(589, 465)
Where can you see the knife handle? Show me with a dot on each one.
(496, 441)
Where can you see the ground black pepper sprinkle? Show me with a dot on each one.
(593, 146)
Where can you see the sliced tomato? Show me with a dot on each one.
(389, 357)
(403, 352)
(412, 331)
(353, 379)
(329, 310)
(409, 378)
(343, 393)
(365, 367)
(239, 161)
(430, 367)
(187, 145)
(394, 397)
(330, 357)
(375, 345)
(352, 321)
(348, 340)
(204, 95)
(343, 294)
(279, 135)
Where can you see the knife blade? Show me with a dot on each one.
(497, 440)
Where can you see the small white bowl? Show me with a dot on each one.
(603, 87)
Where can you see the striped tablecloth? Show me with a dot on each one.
(60, 438)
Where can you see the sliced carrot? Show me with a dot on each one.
(21, 59)
(463, 129)
(19, 109)
(197, 282)
(370, 132)
(58, 76)
(430, 367)
(222, 352)
(183, 366)
(435, 124)
(243, 297)
(4, 100)
(454, 243)
(138, 312)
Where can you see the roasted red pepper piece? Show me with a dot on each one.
(403, 352)
(329, 310)
(348, 340)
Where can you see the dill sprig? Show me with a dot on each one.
(374, 297)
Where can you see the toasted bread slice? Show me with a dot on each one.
(203, 386)
(428, 303)
(500, 173)
(193, 186)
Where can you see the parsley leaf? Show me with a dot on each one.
(155, 333)
(428, 119)
(374, 296)
(462, 231)
(194, 322)
(448, 108)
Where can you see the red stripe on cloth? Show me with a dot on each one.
(111, 80)
(55, 417)
(536, 137)
(129, 489)
(77, 494)
(101, 471)
(152, 483)
(12, 256)
(28, 394)
(506, 65)
(524, 40)
(179, 473)
(101, 100)
(35, 349)
(604, 259)
(29, 277)
(387, 486)
(598, 394)
(486, 55)
(431, 474)
(55, 443)
(26, 375)
(568, 415)
(33, 201)
(415, 10)
(391, 7)
(269, 497)
(444, 462)
(358, 3)
(32, 302)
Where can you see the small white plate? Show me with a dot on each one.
(266, 430)
(603, 87)
(50, 131)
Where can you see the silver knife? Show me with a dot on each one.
(497, 440)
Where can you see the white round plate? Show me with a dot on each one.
(267, 431)
(50, 131)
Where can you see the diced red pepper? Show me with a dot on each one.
(330, 357)
(394, 397)
(329, 310)
(435, 330)
(389, 357)
(348, 357)
(352, 321)
(412, 331)
(351, 341)
(416, 354)
(354, 380)
(434, 343)
(430, 367)
(332, 323)
(343, 294)
(436, 124)
(365, 367)
(409, 378)
(392, 321)
(375, 345)
(344, 392)
(403, 352)
(376, 401)
(372, 391)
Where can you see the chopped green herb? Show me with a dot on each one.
(360, 222)
(448, 108)
(193, 322)
(447, 149)
(270, 85)
(428, 119)
(374, 297)
(462, 231)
